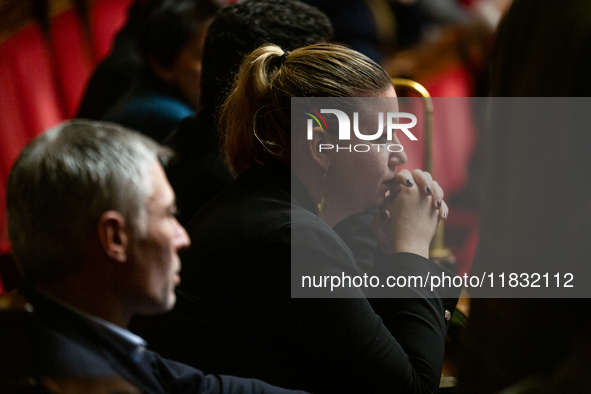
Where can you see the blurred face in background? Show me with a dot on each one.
(185, 73)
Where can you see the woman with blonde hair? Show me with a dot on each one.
(235, 313)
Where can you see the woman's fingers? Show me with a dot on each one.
(437, 195)
(379, 224)
(408, 219)
(413, 221)
(424, 180)
(426, 183)
(443, 211)
(404, 177)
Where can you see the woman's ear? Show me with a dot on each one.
(114, 235)
(319, 147)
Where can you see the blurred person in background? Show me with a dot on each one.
(535, 211)
(170, 38)
(199, 171)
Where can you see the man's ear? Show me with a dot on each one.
(114, 235)
(319, 147)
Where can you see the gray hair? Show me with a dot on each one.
(64, 180)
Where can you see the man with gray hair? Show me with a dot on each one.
(91, 219)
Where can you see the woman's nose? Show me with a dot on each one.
(397, 155)
(397, 158)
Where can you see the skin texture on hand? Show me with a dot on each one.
(409, 217)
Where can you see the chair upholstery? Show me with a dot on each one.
(29, 97)
(73, 58)
(107, 17)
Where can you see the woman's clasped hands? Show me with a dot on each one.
(410, 214)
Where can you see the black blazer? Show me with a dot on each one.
(66, 344)
(235, 312)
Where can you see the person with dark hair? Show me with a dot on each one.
(170, 40)
(277, 218)
(92, 226)
(200, 172)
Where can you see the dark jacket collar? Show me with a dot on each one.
(50, 315)
(283, 177)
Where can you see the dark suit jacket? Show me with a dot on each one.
(235, 312)
(67, 344)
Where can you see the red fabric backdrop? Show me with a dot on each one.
(43, 77)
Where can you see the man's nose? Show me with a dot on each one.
(182, 239)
